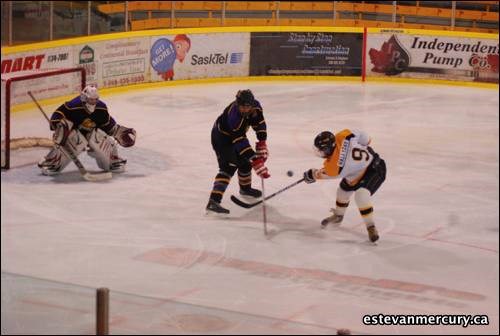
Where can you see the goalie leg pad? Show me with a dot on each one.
(104, 150)
(76, 142)
(55, 161)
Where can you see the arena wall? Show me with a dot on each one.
(180, 56)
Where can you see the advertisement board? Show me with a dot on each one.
(305, 53)
(191, 56)
(432, 57)
(40, 61)
(114, 62)
(37, 60)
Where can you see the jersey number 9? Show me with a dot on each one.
(357, 154)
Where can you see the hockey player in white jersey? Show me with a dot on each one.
(362, 171)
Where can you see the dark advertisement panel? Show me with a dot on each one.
(305, 54)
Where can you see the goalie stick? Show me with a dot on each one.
(251, 205)
(69, 153)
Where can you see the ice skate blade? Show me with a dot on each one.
(249, 198)
(210, 213)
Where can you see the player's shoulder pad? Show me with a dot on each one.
(101, 104)
(362, 137)
(343, 134)
(74, 103)
(234, 117)
(257, 105)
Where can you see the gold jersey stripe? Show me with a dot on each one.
(238, 139)
(217, 192)
(245, 150)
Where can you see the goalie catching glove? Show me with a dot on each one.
(260, 169)
(261, 150)
(125, 136)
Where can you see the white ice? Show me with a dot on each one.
(145, 232)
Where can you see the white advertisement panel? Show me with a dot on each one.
(40, 61)
(435, 57)
(37, 60)
(115, 62)
(190, 56)
(54, 85)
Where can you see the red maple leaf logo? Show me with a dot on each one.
(391, 59)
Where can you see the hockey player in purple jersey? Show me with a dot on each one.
(85, 124)
(233, 149)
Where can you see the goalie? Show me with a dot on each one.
(85, 124)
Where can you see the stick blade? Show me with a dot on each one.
(97, 177)
(243, 204)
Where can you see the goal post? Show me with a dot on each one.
(45, 85)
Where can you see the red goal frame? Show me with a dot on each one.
(8, 84)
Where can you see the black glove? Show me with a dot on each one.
(309, 176)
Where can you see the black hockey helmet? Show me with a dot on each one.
(245, 98)
(324, 144)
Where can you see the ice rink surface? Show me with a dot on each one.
(145, 232)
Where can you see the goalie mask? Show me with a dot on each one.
(89, 97)
(324, 144)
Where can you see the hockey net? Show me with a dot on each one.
(44, 85)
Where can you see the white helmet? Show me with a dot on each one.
(90, 96)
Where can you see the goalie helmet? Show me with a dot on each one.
(89, 96)
(245, 98)
(324, 144)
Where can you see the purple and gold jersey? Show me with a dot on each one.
(82, 119)
(232, 126)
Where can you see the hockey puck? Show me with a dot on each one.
(289, 173)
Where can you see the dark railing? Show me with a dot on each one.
(49, 20)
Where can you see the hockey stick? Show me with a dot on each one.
(264, 215)
(251, 205)
(70, 154)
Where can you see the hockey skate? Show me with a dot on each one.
(117, 164)
(372, 233)
(48, 169)
(214, 207)
(251, 192)
(52, 163)
(334, 218)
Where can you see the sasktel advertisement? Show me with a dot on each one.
(186, 56)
